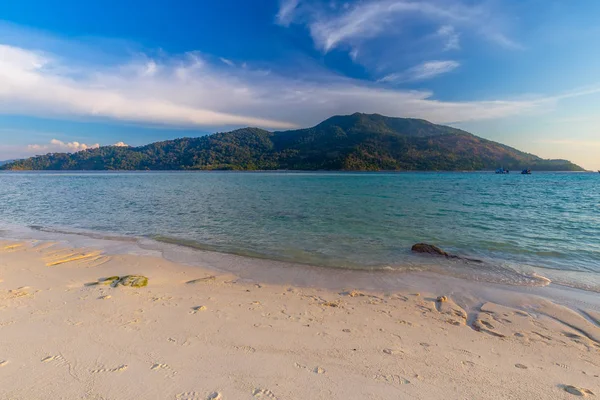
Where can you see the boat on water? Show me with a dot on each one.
(501, 170)
(526, 172)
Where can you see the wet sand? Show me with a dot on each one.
(199, 333)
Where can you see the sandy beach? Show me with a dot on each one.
(195, 333)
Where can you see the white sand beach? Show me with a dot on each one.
(194, 333)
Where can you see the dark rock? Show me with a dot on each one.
(436, 251)
(429, 249)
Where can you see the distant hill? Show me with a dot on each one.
(357, 142)
(5, 162)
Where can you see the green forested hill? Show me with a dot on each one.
(364, 142)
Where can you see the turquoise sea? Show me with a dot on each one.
(527, 229)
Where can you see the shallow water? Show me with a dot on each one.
(522, 227)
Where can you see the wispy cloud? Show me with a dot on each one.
(286, 12)
(421, 72)
(369, 19)
(382, 34)
(450, 36)
(227, 61)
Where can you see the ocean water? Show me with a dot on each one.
(526, 229)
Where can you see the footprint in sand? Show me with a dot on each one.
(542, 336)
(189, 396)
(245, 349)
(478, 325)
(158, 366)
(120, 368)
(521, 366)
(3, 363)
(263, 394)
(55, 359)
(214, 396)
(392, 379)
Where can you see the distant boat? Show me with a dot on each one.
(501, 170)
(526, 172)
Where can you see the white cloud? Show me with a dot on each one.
(423, 71)
(32, 83)
(370, 19)
(286, 12)
(120, 144)
(450, 36)
(58, 146)
(190, 90)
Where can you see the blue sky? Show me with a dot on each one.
(77, 74)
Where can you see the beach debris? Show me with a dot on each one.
(441, 299)
(136, 281)
(521, 366)
(205, 279)
(318, 370)
(214, 396)
(198, 309)
(132, 280)
(577, 391)
(3, 363)
(330, 304)
(105, 297)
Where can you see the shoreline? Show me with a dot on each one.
(194, 332)
(282, 272)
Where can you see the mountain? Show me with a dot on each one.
(5, 162)
(363, 142)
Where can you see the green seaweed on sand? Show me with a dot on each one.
(131, 280)
(126, 280)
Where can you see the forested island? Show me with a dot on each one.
(357, 142)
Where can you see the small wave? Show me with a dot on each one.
(92, 235)
(490, 271)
